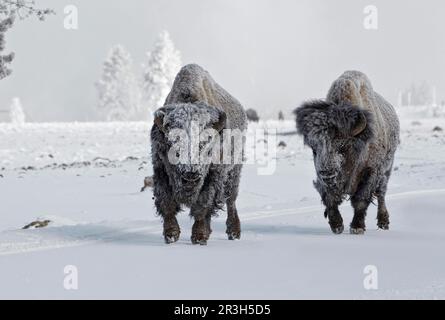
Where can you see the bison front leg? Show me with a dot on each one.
(361, 201)
(201, 229)
(335, 219)
(166, 206)
(358, 225)
(168, 211)
(172, 231)
(233, 223)
(332, 201)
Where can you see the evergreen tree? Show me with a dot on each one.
(16, 113)
(159, 72)
(118, 89)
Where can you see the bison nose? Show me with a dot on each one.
(191, 176)
(328, 177)
(326, 174)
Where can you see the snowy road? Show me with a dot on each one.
(108, 230)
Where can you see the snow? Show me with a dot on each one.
(86, 177)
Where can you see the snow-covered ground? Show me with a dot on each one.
(86, 179)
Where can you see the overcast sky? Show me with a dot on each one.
(270, 54)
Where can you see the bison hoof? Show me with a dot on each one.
(383, 225)
(337, 229)
(171, 236)
(171, 239)
(357, 231)
(201, 241)
(234, 235)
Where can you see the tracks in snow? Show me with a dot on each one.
(25, 241)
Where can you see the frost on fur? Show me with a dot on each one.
(204, 188)
(354, 135)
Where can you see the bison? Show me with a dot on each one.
(203, 187)
(252, 115)
(354, 135)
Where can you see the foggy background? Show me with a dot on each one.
(271, 55)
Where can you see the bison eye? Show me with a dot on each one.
(343, 149)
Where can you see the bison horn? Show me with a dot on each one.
(159, 119)
(360, 125)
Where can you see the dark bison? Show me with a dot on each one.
(203, 187)
(354, 135)
(252, 115)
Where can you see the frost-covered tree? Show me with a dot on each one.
(9, 11)
(418, 95)
(16, 113)
(159, 72)
(118, 88)
(5, 59)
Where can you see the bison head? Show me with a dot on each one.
(338, 136)
(190, 133)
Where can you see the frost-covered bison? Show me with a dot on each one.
(196, 100)
(354, 135)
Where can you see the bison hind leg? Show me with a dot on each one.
(382, 211)
(233, 223)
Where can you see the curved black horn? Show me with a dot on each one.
(360, 125)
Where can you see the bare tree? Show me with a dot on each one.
(10, 10)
